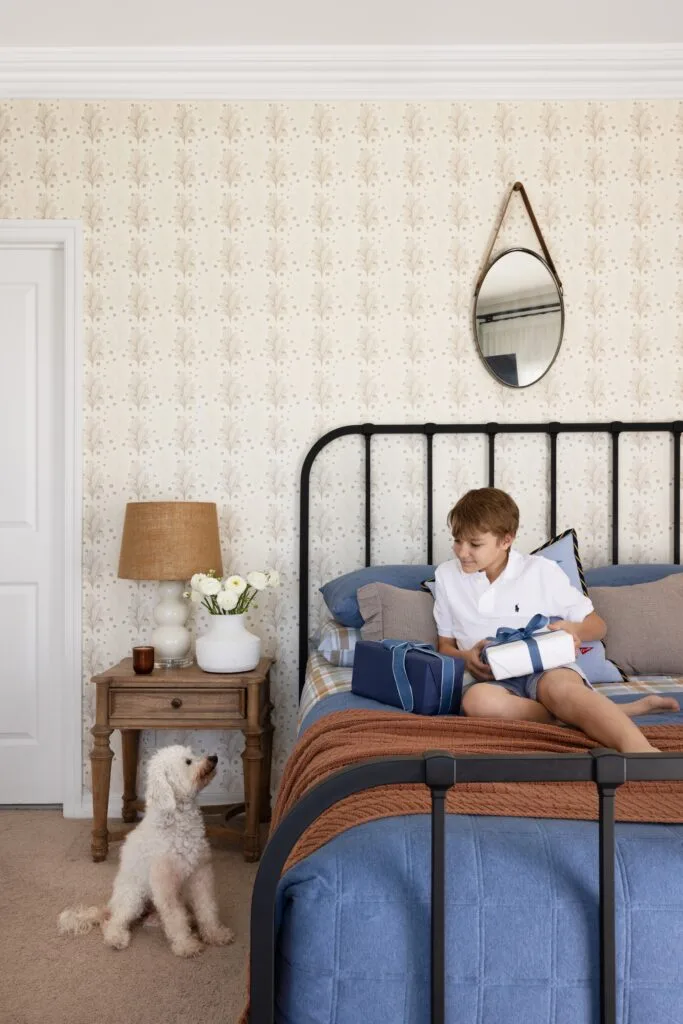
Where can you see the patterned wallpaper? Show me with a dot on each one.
(256, 274)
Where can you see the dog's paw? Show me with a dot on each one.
(116, 938)
(187, 947)
(219, 936)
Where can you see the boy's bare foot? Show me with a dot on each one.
(651, 705)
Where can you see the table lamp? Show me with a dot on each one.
(169, 541)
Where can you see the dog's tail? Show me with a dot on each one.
(80, 920)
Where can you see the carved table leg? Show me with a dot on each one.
(100, 760)
(252, 760)
(130, 742)
(267, 751)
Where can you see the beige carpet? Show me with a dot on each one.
(45, 866)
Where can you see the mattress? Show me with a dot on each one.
(521, 924)
(324, 680)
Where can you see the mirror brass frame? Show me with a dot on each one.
(482, 277)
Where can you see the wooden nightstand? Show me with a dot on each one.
(184, 698)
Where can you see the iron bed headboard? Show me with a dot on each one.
(490, 430)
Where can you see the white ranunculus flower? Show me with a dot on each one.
(196, 580)
(273, 578)
(209, 586)
(227, 599)
(236, 584)
(257, 580)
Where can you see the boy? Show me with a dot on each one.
(489, 584)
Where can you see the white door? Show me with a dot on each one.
(32, 515)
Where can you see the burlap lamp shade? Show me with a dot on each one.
(169, 540)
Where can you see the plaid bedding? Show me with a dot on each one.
(322, 679)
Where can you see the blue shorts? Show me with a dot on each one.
(523, 686)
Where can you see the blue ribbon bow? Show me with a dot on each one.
(399, 649)
(506, 635)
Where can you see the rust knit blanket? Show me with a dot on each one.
(346, 737)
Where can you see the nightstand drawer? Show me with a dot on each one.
(178, 705)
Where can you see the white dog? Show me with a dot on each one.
(165, 861)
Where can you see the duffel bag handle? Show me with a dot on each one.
(399, 651)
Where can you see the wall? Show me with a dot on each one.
(256, 274)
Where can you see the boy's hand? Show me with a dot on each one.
(569, 627)
(474, 664)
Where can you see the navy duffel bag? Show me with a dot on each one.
(408, 675)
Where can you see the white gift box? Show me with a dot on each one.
(555, 648)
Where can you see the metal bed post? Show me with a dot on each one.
(429, 431)
(368, 430)
(677, 428)
(615, 430)
(610, 773)
(553, 430)
(491, 430)
(439, 776)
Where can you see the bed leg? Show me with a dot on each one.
(610, 773)
(439, 776)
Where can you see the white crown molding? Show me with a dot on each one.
(344, 72)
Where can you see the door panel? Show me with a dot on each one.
(32, 503)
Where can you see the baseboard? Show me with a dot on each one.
(502, 72)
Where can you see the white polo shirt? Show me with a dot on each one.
(468, 608)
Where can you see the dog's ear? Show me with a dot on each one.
(159, 792)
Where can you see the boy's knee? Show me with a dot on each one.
(558, 686)
(483, 700)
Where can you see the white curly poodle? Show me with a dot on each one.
(165, 862)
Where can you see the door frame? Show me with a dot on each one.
(67, 235)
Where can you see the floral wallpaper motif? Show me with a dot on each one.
(258, 273)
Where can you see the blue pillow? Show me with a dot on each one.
(340, 594)
(626, 575)
(564, 549)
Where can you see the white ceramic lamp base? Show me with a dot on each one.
(171, 638)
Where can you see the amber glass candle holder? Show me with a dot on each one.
(143, 660)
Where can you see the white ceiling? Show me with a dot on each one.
(336, 22)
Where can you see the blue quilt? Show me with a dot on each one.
(522, 922)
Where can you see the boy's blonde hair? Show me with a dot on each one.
(486, 510)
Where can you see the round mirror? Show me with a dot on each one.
(518, 318)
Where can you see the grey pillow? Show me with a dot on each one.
(397, 614)
(644, 622)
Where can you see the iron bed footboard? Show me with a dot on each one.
(439, 771)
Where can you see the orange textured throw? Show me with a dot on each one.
(347, 737)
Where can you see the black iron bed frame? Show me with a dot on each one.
(439, 771)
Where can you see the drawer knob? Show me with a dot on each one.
(176, 702)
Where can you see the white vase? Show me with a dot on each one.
(228, 646)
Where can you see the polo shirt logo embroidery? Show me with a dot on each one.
(516, 607)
